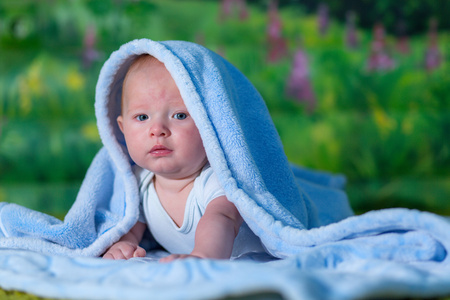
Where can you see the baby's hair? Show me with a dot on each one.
(139, 60)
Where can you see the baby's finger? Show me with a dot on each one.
(169, 258)
(140, 252)
(108, 256)
(126, 252)
(173, 257)
(114, 254)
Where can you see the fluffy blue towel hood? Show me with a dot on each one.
(242, 145)
(241, 142)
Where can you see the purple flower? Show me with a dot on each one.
(243, 10)
(90, 54)
(225, 10)
(402, 40)
(351, 37)
(323, 19)
(433, 56)
(379, 59)
(228, 8)
(299, 84)
(276, 43)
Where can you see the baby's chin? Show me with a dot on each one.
(178, 173)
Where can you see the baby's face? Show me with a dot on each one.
(160, 134)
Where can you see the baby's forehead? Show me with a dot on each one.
(149, 75)
(142, 63)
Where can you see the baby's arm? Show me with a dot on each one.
(128, 245)
(216, 231)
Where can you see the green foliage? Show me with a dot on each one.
(387, 131)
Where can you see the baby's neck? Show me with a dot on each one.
(173, 186)
(176, 184)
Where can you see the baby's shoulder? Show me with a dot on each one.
(207, 175)
(207, 185)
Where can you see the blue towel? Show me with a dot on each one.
(301, 216)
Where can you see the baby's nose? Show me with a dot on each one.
(159, 129)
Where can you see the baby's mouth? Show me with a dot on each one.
(160, 150)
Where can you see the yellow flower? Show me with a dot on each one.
(385, 123)
(31, 85)
(90, 132)
(322, 132)
(408, 125)
(74, 80)
(326, 146)
(24, 96)
(34, 78)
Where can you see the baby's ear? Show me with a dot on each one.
(120, 122)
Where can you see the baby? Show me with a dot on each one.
(184, 206)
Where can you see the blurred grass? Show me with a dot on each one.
(16, 295)
(387, 132)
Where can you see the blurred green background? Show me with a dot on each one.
(346, 96)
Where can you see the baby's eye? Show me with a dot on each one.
(142, 118)
(180, 116)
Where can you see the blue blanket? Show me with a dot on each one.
(317, 248)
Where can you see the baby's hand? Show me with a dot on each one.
(124, 250)
(173, 257)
